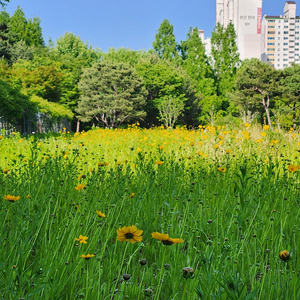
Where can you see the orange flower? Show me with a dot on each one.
(82, 239)
(165, 239)
(11, 198)
(129, 234)
(293, 168)
(100, 214)
(159, 162)
(132, 195)
(88, 256)
(79, 187)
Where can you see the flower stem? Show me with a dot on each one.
(184, 290)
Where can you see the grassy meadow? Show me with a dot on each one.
(73, 207)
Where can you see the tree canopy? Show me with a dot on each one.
(111, 93)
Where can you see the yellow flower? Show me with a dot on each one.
(11, 198)
(159, 162)
(222, 170)
(88, 256)
(165, 239)
(293, 168)
(132, 195)
(228, 151)
(216, 146)
(284, 255)
(28, 196)
(263, 133)
(161, 147)
(79, 187)
(1, 137)
(5, 171)
(102, 164)
(129, 234)
(100, 214)
(246, 125)
(82, 239)
(266, 127)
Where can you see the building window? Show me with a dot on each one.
(286, 26)
(286, 32)
(271, 21)
(296, 44)
(297, 32)
(285, 44)
(297, 26)
(285, 38)
(271, 38)
(270, 49)
(285, 59)
(284, 54)
(297, 38)
(269, 32)
(285, 49)
(271, 26)
(285, 21)
(296, 49)
(285, 65)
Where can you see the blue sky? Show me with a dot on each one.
(125, 23)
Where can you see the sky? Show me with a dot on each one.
(125, 23)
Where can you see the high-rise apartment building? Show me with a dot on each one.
(280, 37)
(246, 17)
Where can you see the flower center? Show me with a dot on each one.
(129, 236)
(167, 242)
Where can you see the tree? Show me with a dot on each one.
(162, 83)
(165, 43)
(196, 63)
(19, 36)
(111, 93)
(28, 30)
(257, 82)
(290, 83)
(225, 58)
(2, 3)
(13, 104)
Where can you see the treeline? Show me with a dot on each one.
(169, 84)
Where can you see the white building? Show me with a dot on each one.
(246, 17)
(280, 37)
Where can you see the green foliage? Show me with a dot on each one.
(126, 55)
(111, 94)
(165, 43)
(52, 109)
(40, 80)
(225, 58)
(256, 84)
(162, 83)
(13, 103)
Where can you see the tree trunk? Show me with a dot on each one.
(294, 116)
(266, 107)
(78, 126)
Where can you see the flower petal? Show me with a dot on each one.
(121, 238)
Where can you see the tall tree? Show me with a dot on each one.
(258, 82)
(290, 83)
(111, 93)
(225, 58)
(28, 30)
(162, 83)
(165, 43)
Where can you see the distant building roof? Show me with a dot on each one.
(291, 2)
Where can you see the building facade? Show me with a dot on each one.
(246, 16)
(280, 38)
